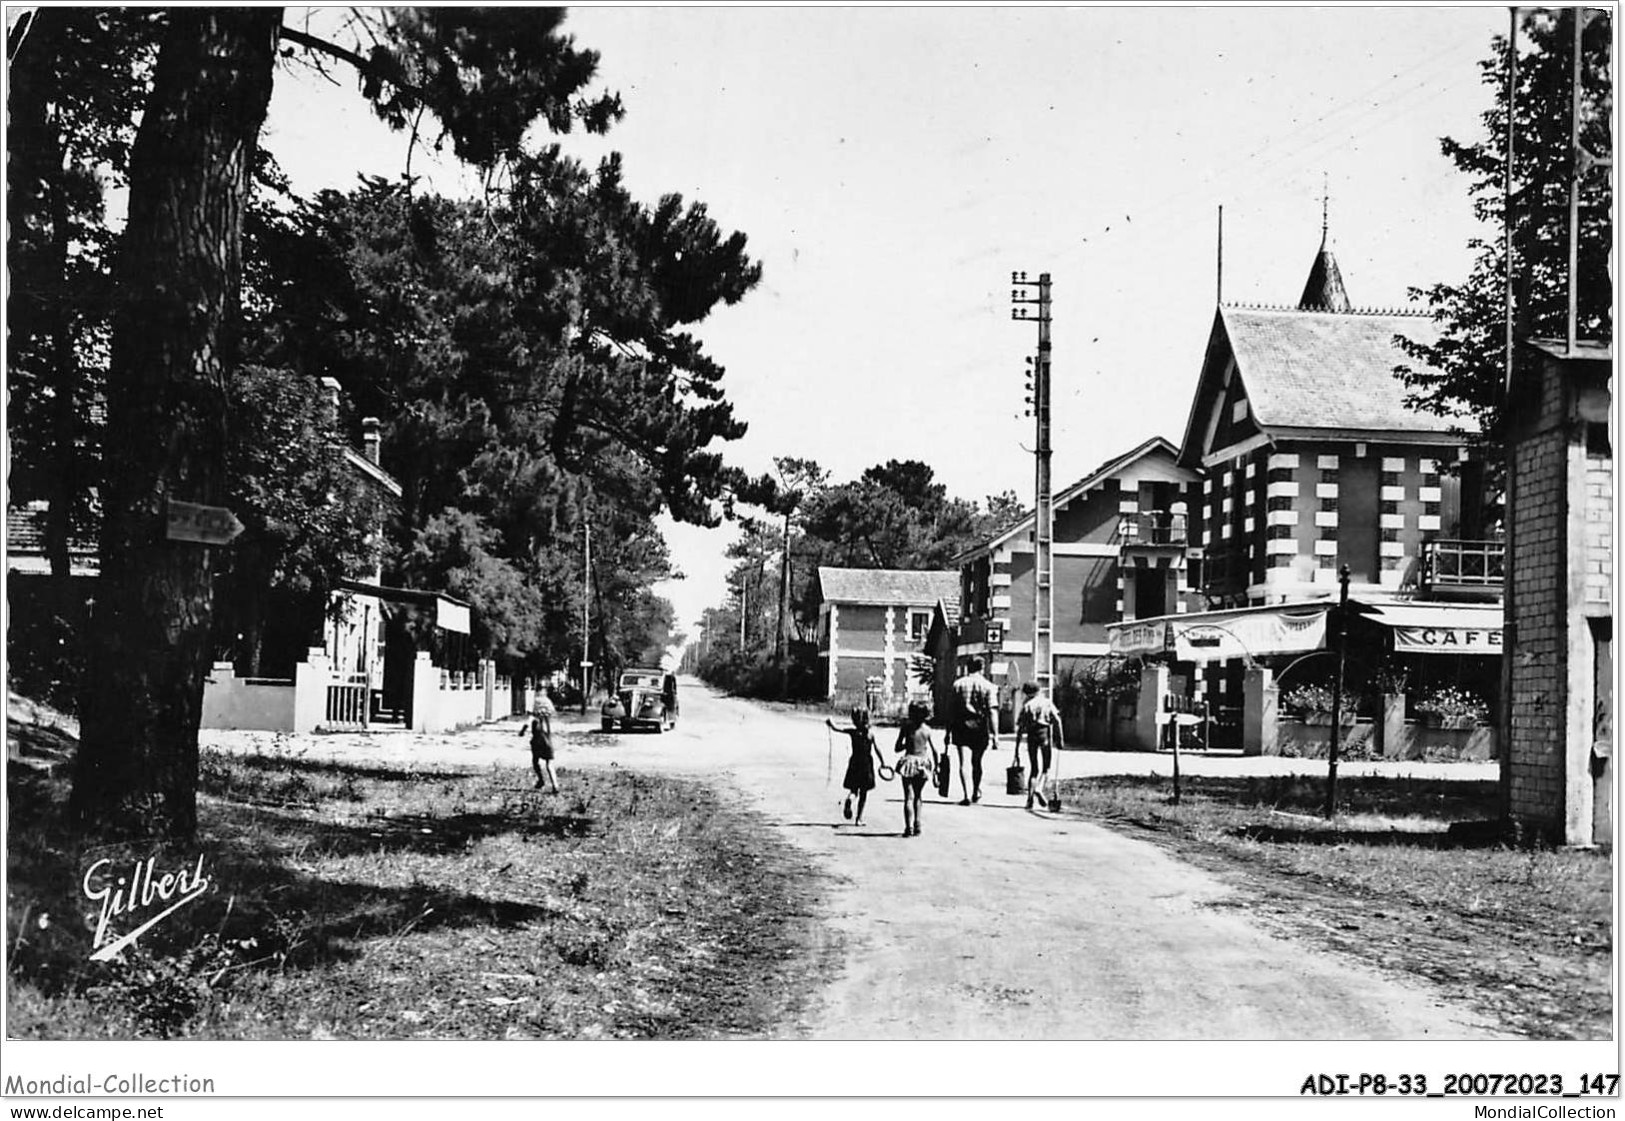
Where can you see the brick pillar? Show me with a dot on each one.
(1259, 728)
(1148, 712)
(1392, 740)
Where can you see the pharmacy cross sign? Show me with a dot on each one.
(206, 525)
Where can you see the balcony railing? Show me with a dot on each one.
(1463, 566)
(1152, 527)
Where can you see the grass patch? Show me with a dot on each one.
(380, 903)
(1522, 934)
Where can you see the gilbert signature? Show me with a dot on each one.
(135, 894)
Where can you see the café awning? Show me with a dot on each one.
(1441, 628)
(1298, 628)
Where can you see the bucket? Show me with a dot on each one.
(1015, 779)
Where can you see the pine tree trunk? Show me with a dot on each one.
(178, 280)
(37, 180)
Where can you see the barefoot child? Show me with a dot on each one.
(917, 761)
(1039, 723)
(860, 769)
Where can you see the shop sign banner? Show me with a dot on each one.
(1250, 636)
(1136, 638)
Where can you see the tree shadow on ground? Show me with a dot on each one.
(1474, 835)
(1398, 796)
(263, 886)
(406, 772)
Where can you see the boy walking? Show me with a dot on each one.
(1039, 723)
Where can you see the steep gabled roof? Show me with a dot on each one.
(892, 586)
(1314, 373)
(1061, 497)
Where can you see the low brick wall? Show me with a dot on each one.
(1444, 744)
(1297, 739)
(1364, 739)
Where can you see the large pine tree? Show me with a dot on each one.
(486, 75)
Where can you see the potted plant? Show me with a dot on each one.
(1453, 707)
(1313, 704)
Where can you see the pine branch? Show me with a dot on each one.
(369, 67)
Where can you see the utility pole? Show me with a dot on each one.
(1571, 335)
(586, 607)
(784, 597)
(1043, 519)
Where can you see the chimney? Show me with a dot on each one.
(333, 388)
(370, 440)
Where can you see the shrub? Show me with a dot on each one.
(1087, 688)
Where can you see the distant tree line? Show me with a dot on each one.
(895, 515)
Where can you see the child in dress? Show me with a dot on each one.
(916, 763)
(860, 769)
(540, 727)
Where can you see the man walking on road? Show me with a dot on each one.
(975, 698)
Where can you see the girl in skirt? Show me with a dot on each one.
(917, 761)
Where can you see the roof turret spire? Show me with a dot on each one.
(1324, 290)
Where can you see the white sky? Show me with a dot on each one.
(892, 166)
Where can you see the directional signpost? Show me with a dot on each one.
(205, 525)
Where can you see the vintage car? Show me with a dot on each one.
(646, 698)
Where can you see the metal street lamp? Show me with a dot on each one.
(1337, 690)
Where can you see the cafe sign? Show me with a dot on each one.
(1447, 640)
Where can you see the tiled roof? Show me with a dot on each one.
(889, 586)
(1305, 369)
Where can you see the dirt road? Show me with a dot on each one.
(997, 922)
